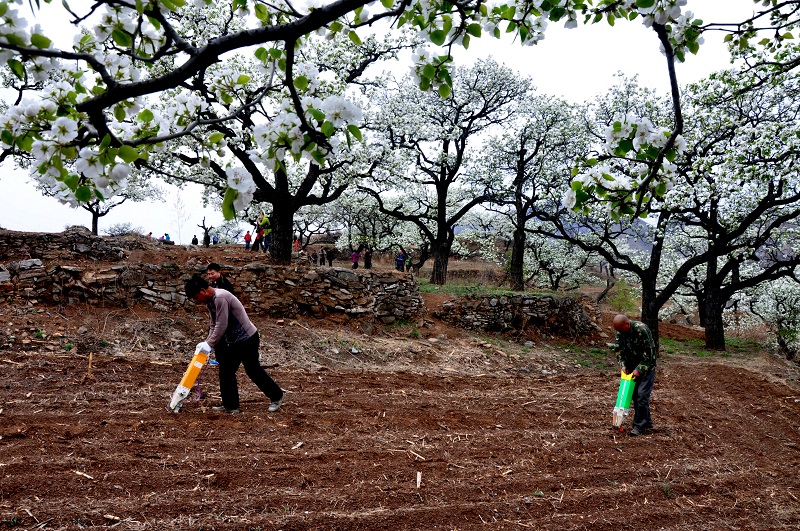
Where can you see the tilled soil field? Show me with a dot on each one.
(419, 426)
(412, 442)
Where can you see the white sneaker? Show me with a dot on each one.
(275, 405)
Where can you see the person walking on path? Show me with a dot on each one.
(229, 325)
(247, 239)
(367, 258)
(636, 352)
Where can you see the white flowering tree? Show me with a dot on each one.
(89, 125)
(440, 140)
(777, 305)
(314, 220)
(242, 167)
(628, 244)
(738, 191)
(535, 155)
(363, 224)
(732, 203)
(135, 191)
(557, 264)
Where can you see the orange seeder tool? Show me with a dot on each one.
(189, 377)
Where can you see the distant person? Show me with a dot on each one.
(367, 258)
(258, 240)
(150, 234)
(230, 326)
(322, 257)
(408, 262)
(166, 237)
(330, 255)
(399, 261)
(216, 279)
(161, 238)
(296, 245)
(247, 239)
(636, 352)
(195, 241)
(215, 240)
(265, 225)
(355, 257)
(314, 257)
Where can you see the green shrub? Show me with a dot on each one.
(623, 298)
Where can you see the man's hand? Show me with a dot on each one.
(203, 347)
(636, 374)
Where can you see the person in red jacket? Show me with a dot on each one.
(247, 239)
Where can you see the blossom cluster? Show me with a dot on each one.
(637, 142)
(284, 135)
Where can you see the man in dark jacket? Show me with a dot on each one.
(636, 352)
(216, 279)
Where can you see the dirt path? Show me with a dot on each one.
(518, 451)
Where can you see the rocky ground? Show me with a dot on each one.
(418, 426)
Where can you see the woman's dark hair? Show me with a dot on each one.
(195, 285)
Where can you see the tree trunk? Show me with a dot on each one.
(515, 273)
(650, 308)
(441, 255)
(282, 220)
(95, 220)
(701, 309)
(715, 329)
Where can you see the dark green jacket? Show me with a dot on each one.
(636, 349)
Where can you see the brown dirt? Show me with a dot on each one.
(409, 427)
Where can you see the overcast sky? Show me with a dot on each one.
(574, 64)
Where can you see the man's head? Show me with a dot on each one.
(622, 323)
(213, 271)
(198, 289)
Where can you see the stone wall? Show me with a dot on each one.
(275, 290)
(562, 316)
(74, 243)
(54, 270)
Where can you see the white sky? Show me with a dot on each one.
(574, 64)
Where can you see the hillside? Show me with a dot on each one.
(413, 426)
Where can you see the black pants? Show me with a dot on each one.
(641, 400)
(243, 353)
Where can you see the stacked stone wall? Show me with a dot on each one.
(562, 316)
(274, 290)
(55, 271)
